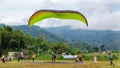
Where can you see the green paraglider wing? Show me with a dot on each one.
(63, 14)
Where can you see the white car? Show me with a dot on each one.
(67, 56)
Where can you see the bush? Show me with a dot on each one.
(100, 57)
(48, 57)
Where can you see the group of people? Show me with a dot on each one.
(79, 58)
(5, 58)
(20, 56)
(33, 56)
(52, 53)
(110, 58)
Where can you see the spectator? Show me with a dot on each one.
(95, 57)
(33, 56)
(53, 57)
(111, 59)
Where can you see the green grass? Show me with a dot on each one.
(39, 64)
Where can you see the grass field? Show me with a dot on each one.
(59, 64)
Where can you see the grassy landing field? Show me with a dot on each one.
(58, 64)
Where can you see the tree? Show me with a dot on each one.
(8, 28)
(11, 39)
(13, 45)
(5, 38)
(102, 47)
(96, 49)
(60, 47)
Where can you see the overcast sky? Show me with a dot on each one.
(101, 14)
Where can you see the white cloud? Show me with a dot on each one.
(105, 21)
(101, 14)
(12, 21)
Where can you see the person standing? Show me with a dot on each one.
(53, 57)
(95, 57)
(111, 59)
(19, 57)
(22, 55)
(33, 57)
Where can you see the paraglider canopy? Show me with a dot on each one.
(61, 14)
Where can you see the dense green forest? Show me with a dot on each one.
(16, 40)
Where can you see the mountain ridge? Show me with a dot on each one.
(98, 37)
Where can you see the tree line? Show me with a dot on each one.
(16, 40)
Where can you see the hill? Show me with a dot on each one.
(36, 31)
(99, 37)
